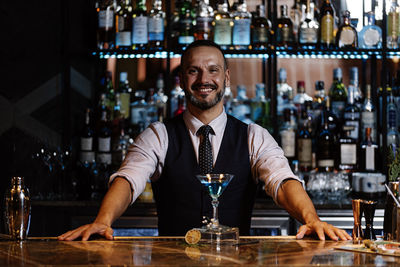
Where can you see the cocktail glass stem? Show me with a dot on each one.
(215, 222)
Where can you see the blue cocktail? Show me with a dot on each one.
(216, 184)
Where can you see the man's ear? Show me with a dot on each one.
(227, 78)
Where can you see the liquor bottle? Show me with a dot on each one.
(175, 23)
(241, 105)
(352, 116)
(260, 106)
(301, 96)
(105, 27)
(119, 145)
(334, 124)
(186, 28)
(228, 100)
(86, 150)
(392, 136)
(369, 152)
(368, 116)
(151, 107)
(288, 136)
(204, 18)
(325, 146)
(223, 25)
(241, 26)
(370, 37)
(285, 92)
(353, 85)
(346, 37)
(284, 31)
(338, 94)
(348, 150)
(296, 16)
(161, 99)
(319, 98)
(327, 25)
(140, 26)
(309, 28)
(156, 25)
(176, 94)
(138, 113)
(304, 143)
(125, 92)
(104, 140)
(260, 29)
(181, 106)
(108, 90)
(393, 24)
(123, 25)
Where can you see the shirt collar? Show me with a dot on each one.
(193, 124)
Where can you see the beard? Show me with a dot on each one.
(203, 104)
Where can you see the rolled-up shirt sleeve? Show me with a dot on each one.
(145, 158)
(268, 163)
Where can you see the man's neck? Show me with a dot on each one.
(206, 116)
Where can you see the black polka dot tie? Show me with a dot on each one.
(205, 149)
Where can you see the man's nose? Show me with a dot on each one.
(203, 77)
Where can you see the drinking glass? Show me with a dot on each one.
(214, 231)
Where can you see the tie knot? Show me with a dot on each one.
(205, 130)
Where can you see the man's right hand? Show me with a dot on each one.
(85, 231)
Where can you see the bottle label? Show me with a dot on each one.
(123, 38)
(87, 143)
(139, 30)
(347, 37)
(283, 34)
(156, 29)
(104, 144)
(288, 143)
(241, 32)
(185, 39)
(327, 24)
(125, 104)
(368, 120)
(104, 158)
(304, 151)
(355, 131)
(371, 37)
(308, 35)
(348, 154)
(392, 119)
(260, 35)
(223, 32)
(338, 108)
(106, 19)
(370, 158)
(393, 24)
(86, 156)
(326, 163)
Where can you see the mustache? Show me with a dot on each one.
(200, 85)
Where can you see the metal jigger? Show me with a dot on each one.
(357, 214)
(369, 212)
(390, 218)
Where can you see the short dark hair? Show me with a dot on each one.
(199, 43)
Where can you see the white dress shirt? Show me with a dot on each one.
(146, 157)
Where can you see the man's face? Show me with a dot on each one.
(204, 77)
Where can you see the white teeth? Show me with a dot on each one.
(205, 90)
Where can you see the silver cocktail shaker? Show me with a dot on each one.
(17, 209)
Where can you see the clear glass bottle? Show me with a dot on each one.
(354, 86)
(241, 26)
(17, 209)
(156, 25)
(346, 37)
(393, 24)
(369, 153)
(204, 18)
(259, 106)
(284, 31)
(86, 150)
(370, 37)
(223, 24)
(392, 136)
(139, 113)
(348, 150)
(260, 29)
(105, 24)
(123, 22)
(301, 97)
(296, 16)
(125, 92)
(241, 105)
(368, 116)
(327, 25)
(161, 99)
(309, 28)
(176, 94)
(338, 94)
(285, 91)
(140, 33)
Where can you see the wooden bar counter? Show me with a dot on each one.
(149, 251)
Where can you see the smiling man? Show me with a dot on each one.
(171, 155)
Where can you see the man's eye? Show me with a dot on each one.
(192, 71)
(214, 70)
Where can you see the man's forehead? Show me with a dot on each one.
(206, 54)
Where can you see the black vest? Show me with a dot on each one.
(182, 200)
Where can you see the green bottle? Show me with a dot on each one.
(338, 94)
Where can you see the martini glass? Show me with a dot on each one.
(215, 232)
